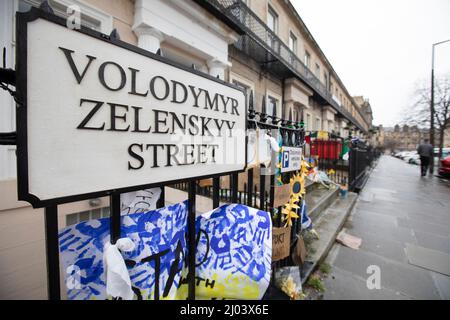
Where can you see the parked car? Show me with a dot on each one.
(414, 159)
(408, 154)
(444, 167)
(445, 154)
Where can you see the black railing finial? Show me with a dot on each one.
(114, 35)
(46, 7)
(251, 109)
(263, 115)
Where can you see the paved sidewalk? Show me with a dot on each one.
(404, 222)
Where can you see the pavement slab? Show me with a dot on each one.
(418, 225)
(342, 285)
(432, 241)
(401, 277)
(442, 283)
(428, 258)
(390, 249)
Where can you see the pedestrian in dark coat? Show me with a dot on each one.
(425, 151)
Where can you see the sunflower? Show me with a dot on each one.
(297, 187)
(289, 212)
(304, 167)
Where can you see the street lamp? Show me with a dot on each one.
(432, 104)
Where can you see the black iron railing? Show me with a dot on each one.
(361, 158)
(327, 154)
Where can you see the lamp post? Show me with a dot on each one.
(432, 104)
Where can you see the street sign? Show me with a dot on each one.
(101, 115)
(291, 158)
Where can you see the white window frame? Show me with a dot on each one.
(246, 82)
(307, 59)
(8, 40)
(309, 126)
(277, 97)
(105, 20)
(293, 36)
(272, 12)
(90, 213)
(318, 125)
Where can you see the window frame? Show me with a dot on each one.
(248, 83)
(307, 59)
(309, 125)
(271, 12)
(318, 126)
(105, 20)
(270, 94)
(293, 37)
(89, 212)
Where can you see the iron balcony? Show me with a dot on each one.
(264, 46)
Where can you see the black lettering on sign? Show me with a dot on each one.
(133, 83)
(196, 95)
(234, 105)
(135, 156)
(211, 104)
(174, 92)
(115, 116)
(278, 238)
(136, 121)
(83, 123)
(158, 121)
(79, 77)
(101, 75)
(166, 88)
(155, 153)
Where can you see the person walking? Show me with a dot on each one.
(425, 151)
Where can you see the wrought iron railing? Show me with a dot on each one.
(257, 32)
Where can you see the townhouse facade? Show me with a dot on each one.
(404, 138)
(262, 46)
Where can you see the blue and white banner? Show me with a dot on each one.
(233, 256)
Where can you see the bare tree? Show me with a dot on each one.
(419, 114)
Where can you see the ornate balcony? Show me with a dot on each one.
(264, 46)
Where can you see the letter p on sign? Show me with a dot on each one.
(285, 159)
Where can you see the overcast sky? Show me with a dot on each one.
(381, 48)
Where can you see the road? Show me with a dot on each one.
(404, 222)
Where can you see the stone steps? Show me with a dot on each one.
(327, 224)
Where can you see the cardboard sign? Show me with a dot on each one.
(299, 254)
(281, 239)
(101, 115)
(281, 195)
(291, 159)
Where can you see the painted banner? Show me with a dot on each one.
(233, 256)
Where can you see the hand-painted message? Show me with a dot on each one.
(233, 254)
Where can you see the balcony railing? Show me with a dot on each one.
(258, 34)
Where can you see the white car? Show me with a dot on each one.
(409, 155)
(414, 159)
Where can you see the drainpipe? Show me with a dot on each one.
(282, 99)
